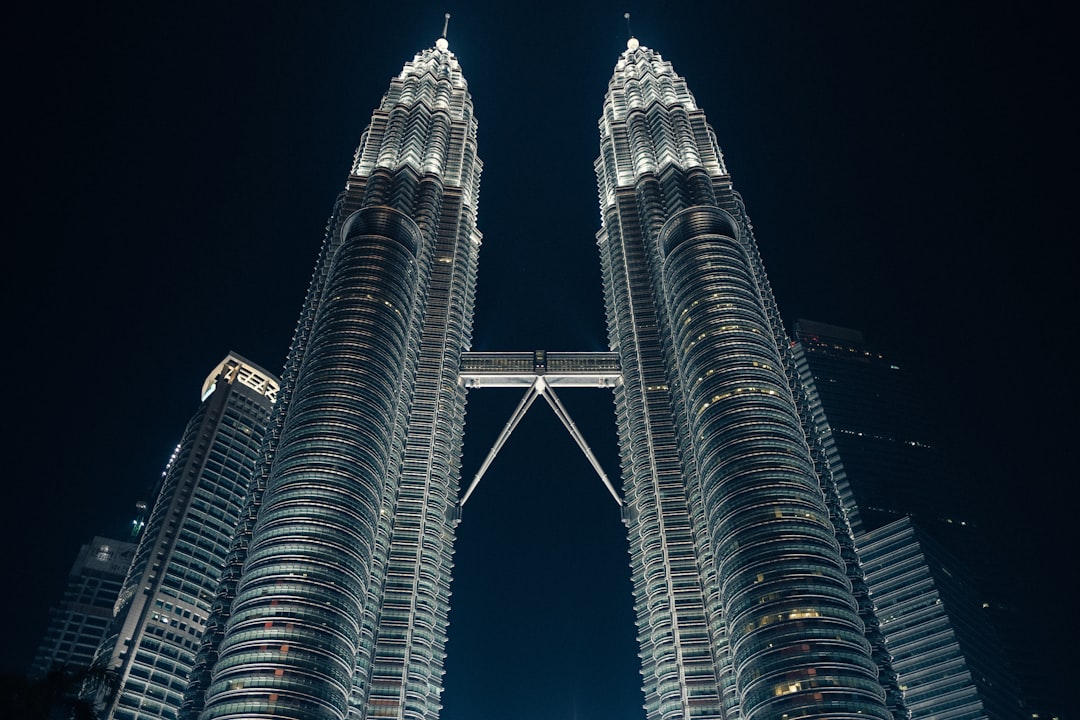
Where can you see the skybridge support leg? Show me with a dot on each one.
(553, 400)
(539, 388)
(519, 412)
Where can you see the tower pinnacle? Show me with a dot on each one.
(442, 43)
(631, 42)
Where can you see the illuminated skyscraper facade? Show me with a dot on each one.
(163, 606)
(740, 555)
(334, 602)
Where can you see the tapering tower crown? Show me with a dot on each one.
(675, 134)
(406, 130)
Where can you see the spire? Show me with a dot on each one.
(631, 41)
(442, 43)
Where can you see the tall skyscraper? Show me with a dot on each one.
(166, 597)
(335, 598)
(79, 623)
(744, 604)
(342, 602)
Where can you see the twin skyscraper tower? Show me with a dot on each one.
(749, 598)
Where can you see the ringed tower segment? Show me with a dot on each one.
(743, 601)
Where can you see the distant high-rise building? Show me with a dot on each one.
(891, 464)
(81, 621)
(949, 661)
(335, 598)
(166, 598)
(925, 560)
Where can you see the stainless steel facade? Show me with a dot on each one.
(336, 601)
(744, 603)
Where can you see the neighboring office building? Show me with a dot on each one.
(949, 660)
(891, 464)
(921, 552)
(161, 613)
(80, 622)
(336, 597)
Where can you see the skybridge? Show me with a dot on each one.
(540, 372)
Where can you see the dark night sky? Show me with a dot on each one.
(908, 167)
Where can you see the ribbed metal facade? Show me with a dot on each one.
(163, 607)
(335, 604)
(744, 603)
